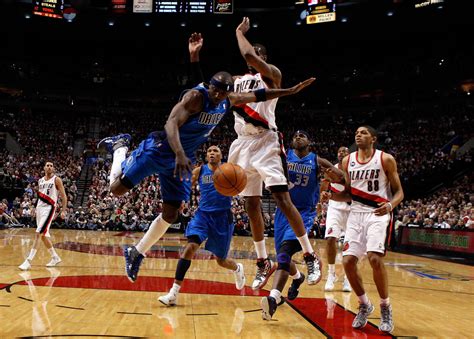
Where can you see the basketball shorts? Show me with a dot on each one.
(366, 232)
(283, 230)
(217, 227)
(336, 222)
(149, 158)
(263, 160)
(44, 218)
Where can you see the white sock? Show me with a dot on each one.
(332, 269)
(157, 228)
(296, 276)
(276, 294)
(363, 299)
(261, 249)
(32, 254)
(119, 156)
(175, 289)
(53, 252)
(305, 244)
(385, 302)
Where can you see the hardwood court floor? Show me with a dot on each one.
(88, 294)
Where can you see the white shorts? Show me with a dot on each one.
(366, 232)
(263, 160)
(44, 218)
(336, 222)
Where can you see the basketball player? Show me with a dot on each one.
(373, 182)
(259, 150)
(303, 169)
(336, 221)
(212, 221)
(170, 153)
(48, 188)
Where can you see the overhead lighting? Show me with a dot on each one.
(147, 24)
(111, 23)
(344, 19)
(183, 24)
(298, 23)
(219, 24)
(255, 25)
(390, 13)
(27, 16)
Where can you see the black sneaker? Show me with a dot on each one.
(294, 288)
(113, 143)
(269, 307)
(133, 260)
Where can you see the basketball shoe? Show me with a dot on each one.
(54, 261)
(25, 266)
(361, 318)
(330, 282)
(269, 307)
(293, 291)
(313, 263)
(239, 276)
(115, 142)
(133, 260)
(346, 285)
(169, 299)
(265, 268)
(386, 321)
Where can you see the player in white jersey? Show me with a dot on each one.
(48, 189)
(336, 220)
(259, 150)
(373, 183)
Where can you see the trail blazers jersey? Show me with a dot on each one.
(47, 192)
(369, 184)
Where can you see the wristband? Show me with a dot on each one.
(391, 206)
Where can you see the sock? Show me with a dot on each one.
(276, 294)
(32, 254)
(305, 244)
(296, 276)
(53, 252)
(119, 156)
(332, 269)
(261, 249)
(175, 289)
(385, 302)
(363, 299)
(157, 228)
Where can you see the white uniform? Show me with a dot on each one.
(367, 232)
(337, 213)
(258, 148)
(47, 199)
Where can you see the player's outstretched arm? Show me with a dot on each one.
(195, 43)
(331, 172)
(267, 94)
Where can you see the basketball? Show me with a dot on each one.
(229, 179)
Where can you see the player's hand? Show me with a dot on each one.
(244, 25)
(319, 209)
(385, 208)
(295, 89)
(195, 43)
(63, 215)
(325, 196)
(331, 175)
(183, 167)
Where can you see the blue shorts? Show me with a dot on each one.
(152, 157)
(283, 230)
(217, 227)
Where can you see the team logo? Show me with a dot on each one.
(330, 231)
(352, 163)
(346, 246)
(129, 161)
(380, 245)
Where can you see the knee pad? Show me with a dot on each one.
(284, 261)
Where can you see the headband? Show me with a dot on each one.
(221, 85)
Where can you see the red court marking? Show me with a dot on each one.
(340, 326)
(3, 285)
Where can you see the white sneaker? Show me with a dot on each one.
(25, 266)
(239, 276)
(54, 261)
(330, 282)
(346, 285)
(169, 300)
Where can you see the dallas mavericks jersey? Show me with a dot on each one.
(369, 183)
(47, 192)
(211, 200)
(252, 118)
(197, 129)
(303, 175)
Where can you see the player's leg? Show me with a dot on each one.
(55, 259)
(376, 238)
(333, 231)
(221, 227)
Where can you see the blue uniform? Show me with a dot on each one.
(154, 154)
(304, 194)
(213, 219)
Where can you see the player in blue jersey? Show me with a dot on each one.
(303, 170)
(212, 221)
(170, 153)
